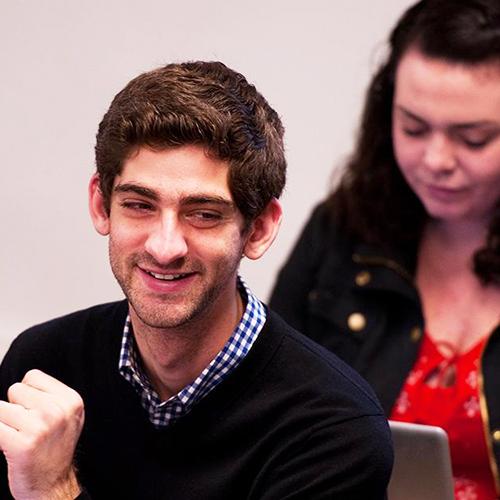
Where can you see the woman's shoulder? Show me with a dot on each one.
(325, 231)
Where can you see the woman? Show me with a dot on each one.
(398, 271)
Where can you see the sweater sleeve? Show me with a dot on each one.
(18, 360)
(349, 461)
(297, 277)
(8, 376)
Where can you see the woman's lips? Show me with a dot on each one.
(445, 193)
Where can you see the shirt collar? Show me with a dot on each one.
(162, 413)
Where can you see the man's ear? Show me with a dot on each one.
(263, 230)
(98, 212)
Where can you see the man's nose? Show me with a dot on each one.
(439, 156)
(166, 241)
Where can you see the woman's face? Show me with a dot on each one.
(446, 135)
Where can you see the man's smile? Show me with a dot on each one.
(167, 277)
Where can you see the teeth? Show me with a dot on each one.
(166, 277)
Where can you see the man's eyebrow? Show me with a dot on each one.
(206, 199)
(137, 189)
(197, 199)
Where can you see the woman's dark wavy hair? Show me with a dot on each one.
(373, 202)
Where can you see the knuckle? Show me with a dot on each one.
(58, 416)
(13, 391)
(75, 402)
(31, 375)
(43, 430)
(78, 404)
(48, 419)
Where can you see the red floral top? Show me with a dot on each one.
(443, 390)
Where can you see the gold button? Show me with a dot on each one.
(356, 322)
(363, 278)
(496, 436)
(416, 333)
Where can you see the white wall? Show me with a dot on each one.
(62, 61)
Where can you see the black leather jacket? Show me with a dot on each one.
(363, 305)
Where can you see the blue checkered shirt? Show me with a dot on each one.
(162, 413)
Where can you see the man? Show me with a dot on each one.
(191, 388)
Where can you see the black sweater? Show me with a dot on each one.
(292, 421)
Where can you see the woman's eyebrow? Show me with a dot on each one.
(478, 124)
(409, 114)
(454, 126)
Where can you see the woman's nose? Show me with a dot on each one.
(439, 154)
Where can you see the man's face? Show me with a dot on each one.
(176, 236)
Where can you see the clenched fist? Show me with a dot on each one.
(39, 429)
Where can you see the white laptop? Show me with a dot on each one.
(422, 464)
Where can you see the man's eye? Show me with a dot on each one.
(204, 218)
(136, 206)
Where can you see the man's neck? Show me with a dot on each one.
(172, 358)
